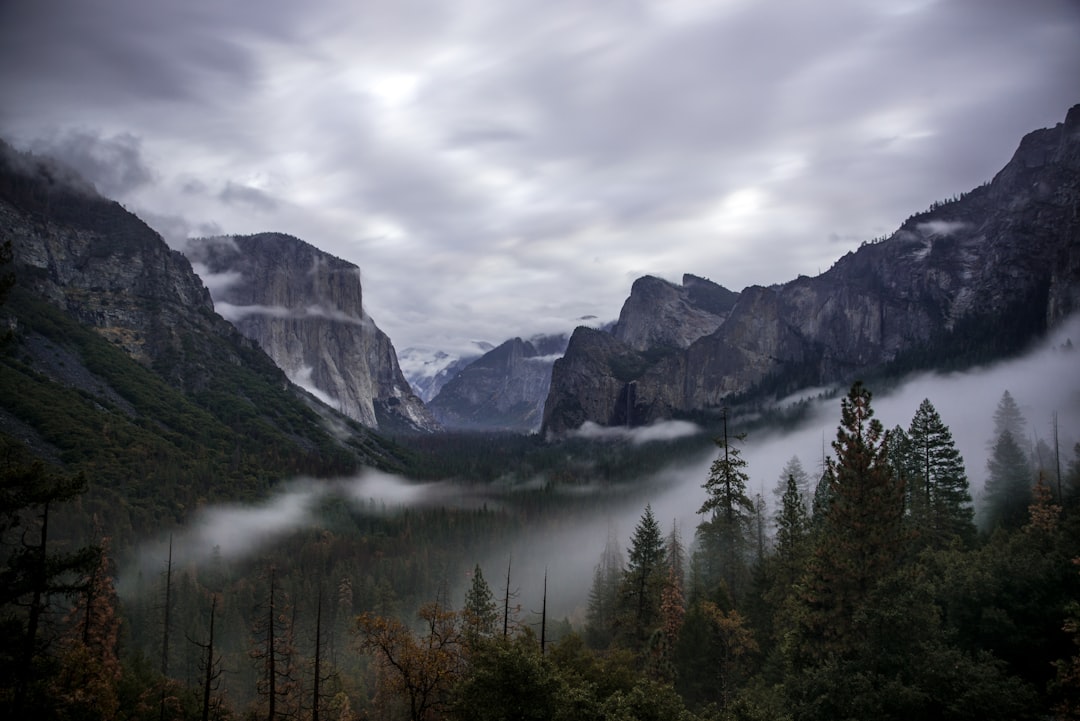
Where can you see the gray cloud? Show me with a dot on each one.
(246, 195)
(502, 169)
(114, 165)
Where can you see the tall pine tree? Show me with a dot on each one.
(643, 583)
(938, 486)
(860, 540)
(724, 537)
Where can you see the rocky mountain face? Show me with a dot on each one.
(115, 364)
(305, 309)
(968, 280)
(503, 390)
(660, 314)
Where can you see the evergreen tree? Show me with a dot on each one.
(480, 613)
(860, 541)
(1007, 417)
(937, 482)
(643, 582)
(792, 531)
(32, 575)
(604, 596)
(725, 534)
(794, 469)
(1008, 486)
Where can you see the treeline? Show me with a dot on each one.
(865, 591)
(876, 596)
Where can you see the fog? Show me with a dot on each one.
(1043, 382)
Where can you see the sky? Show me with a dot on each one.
(507, 168)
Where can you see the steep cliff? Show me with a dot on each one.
(305, 309)
(502, 390)
(116, 364)
(659, 314)
(966, 281)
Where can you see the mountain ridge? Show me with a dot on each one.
(972, 278)
(304, 307)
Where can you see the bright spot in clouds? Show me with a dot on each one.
(453, 149)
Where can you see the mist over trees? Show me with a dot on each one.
(865, 591)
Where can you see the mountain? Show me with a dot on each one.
(116, 365)
(969, 280)
(427, 372)
(305, 308)
(659, 314)
(503, 390)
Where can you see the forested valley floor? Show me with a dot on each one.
(868, 588)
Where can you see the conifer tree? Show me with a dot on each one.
(1008, 486)
(860, 541)
(643, 582)
(794, 468)
(1007, 417)
(480, 612)
(792, 532)
(937, 482)
(724, 535)
(604, 596)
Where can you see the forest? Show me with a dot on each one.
(867, 589)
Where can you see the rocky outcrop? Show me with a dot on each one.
(503, 390)
(967, 281)
(305, 309)
(660, 314)
(106, 268)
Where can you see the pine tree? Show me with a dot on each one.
(792, 531)
(794, 469)
(32, 575)
(724, 535)
(1008, 486)
(643, 582)
(860, 541)
(937, 481)
(481, 613)
(1007, 417)
(603, 603)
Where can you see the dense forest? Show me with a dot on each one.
(177, 556)
(867, 590)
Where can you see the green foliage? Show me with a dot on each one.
(724, 536)
(938, 500)
(642, 584)
(1008, 486)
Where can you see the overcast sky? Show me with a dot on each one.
(508, 167)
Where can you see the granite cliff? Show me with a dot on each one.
(115, 364)
(969, 280)
(503, 390)
(304, 307)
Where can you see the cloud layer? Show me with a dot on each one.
(502, 169)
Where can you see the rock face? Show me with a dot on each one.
(503, 390)
(106, 268)
(304, 308)
(966, 281)
(659, 314)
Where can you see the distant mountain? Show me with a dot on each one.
(503, 390)
(969, 280)
(305, 308)
(428, 371)
(119, 367)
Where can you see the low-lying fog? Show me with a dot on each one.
(1044, 382)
